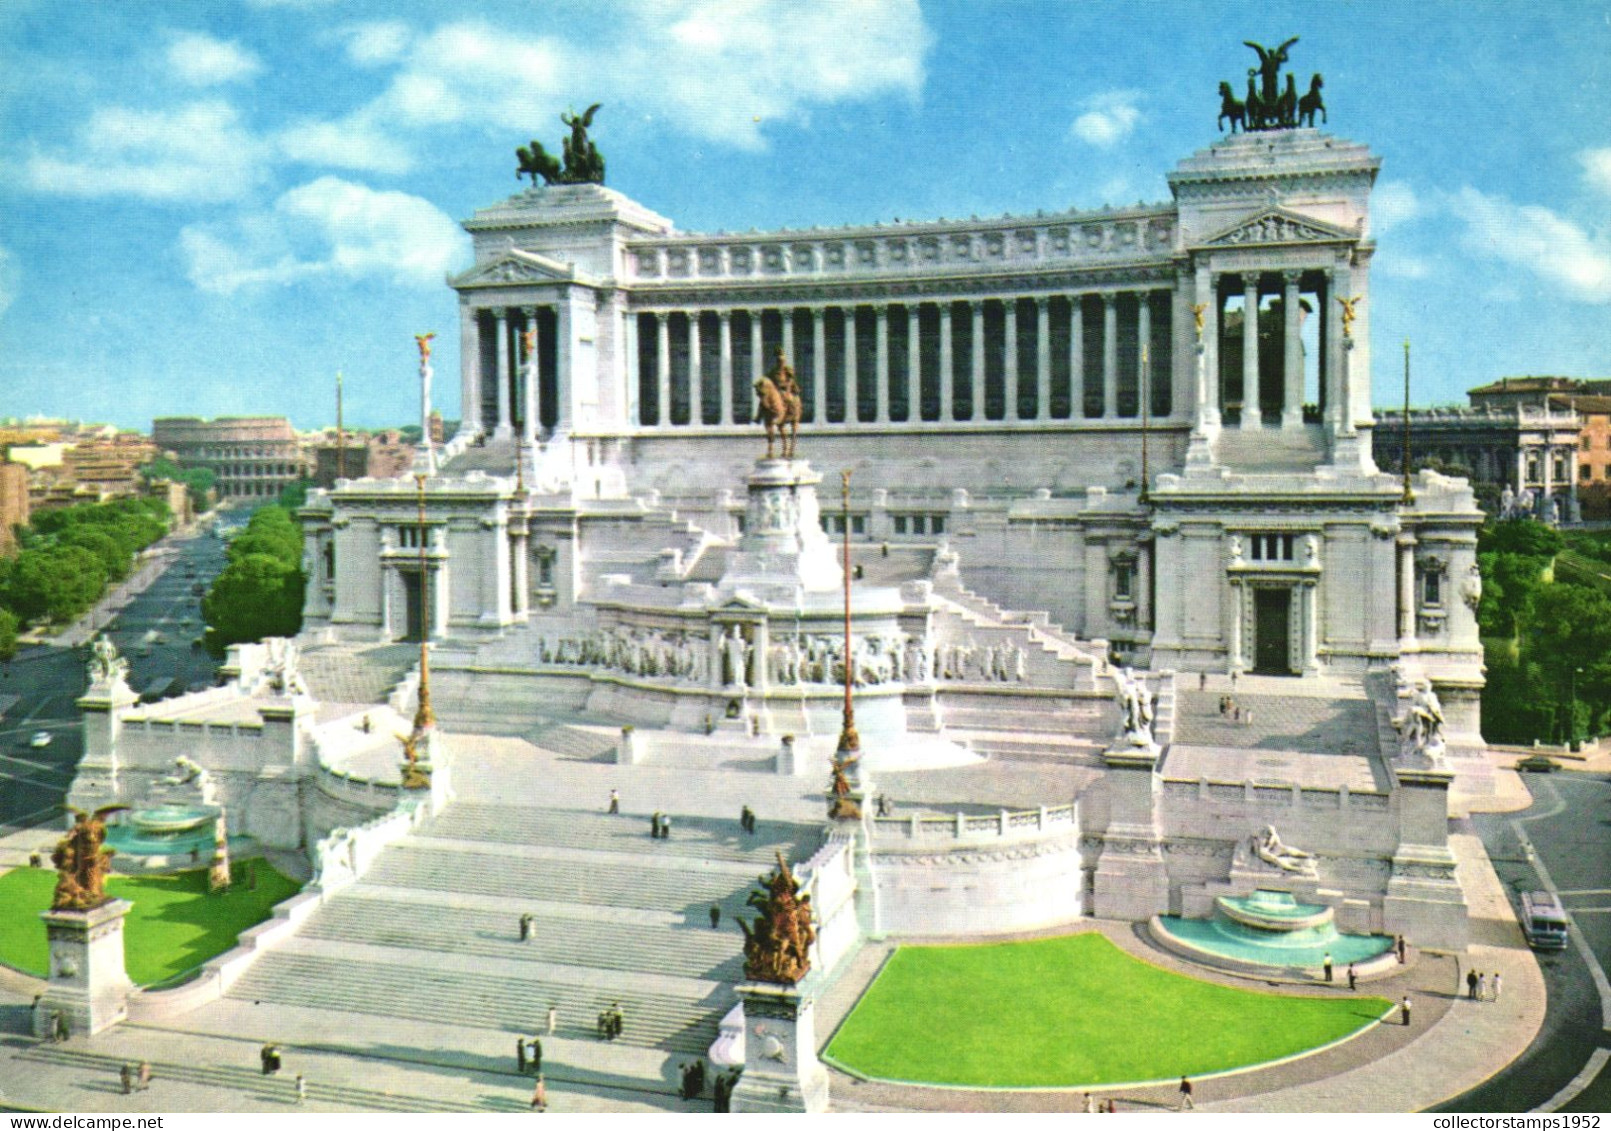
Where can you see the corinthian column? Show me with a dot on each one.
(726, 372)
(948, 388)
(881, 366)
(1009, 359)
(1252, 417)
(1292, 354)
(1043, 358)
(662, 369)
(504, 431)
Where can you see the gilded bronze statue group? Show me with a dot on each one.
(1269, 105)
(778, 405)
(82, 862)
(583, 163)
(777, 946)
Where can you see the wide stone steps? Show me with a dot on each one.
(582, 744)
(689, 951)
(688, 890)
(348, 675)
(707, 838)
(1083, 721)
(680, 1023)
(1047, 747)
(248, 1083)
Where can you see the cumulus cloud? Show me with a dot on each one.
(1538, 240)
(1597, 168)
(1394, 202)
(376, 42)
(1109, 118)
(201, 60)
(199, 152)
(327, 228)
(354, 142)
(715, 69)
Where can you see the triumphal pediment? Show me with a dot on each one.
(516, 266)
(1278, 226)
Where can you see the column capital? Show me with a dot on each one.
(1250, 280)
(1292, 278)
(725, 315)
(976, 305)
(1042, 302)
(660, 316)
(1109, 298)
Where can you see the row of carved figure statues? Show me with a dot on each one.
(896, 657)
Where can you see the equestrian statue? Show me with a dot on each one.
(778, 407)
(583, 164)
(1270, 103)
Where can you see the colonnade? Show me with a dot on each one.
(513, 375)
(1039, 358)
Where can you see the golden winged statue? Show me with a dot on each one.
(82, 864)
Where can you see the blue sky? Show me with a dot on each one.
(211, 206)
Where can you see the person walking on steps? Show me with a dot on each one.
(539, 1095)
(1404, 1011)
(1186, 1102)
(615, 801)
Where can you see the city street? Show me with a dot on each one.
(1559, 842)
(39, 689)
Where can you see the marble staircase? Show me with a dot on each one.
(431, 932)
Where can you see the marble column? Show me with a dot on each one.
(696, 374)
(1311, 626)
(662, 370)
(914, 363)
(1338, 413)
(1292, 355)
(1238, 598)
(1251, 416)
(470, 368)
(522, 578)
(881, 365)
(531, 380)
(1009, 359)
(786, 321)
(852, 378)
(504, 430)
(978, 360)
(1144, 353)
(1043, 358)
(819, 366)
(948, 387)
(1110, 356)
(564, 392)
(726, 374)
(1076, 357)
(634, 376)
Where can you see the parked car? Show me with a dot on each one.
(40, 739)
(1538, 764)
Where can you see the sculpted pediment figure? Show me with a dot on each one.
(517, 266)
(1277, 226)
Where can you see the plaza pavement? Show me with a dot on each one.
(206, 1060)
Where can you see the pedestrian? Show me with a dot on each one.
(520, 1055)
(525, 927)
(617, 1020)
(1494, 987)
(654, 825)
(125, 1075)
(1404, 1011)
(1202, 685)
(1233, 679)
(36, 859)
(1471, 985)
(1113, 1106)
(536, 1047)
(615, 801)
(63, 1026)
(665, 826)
(1186, 1103)
(1224, 705)
(1090, 1104)
(1353, 977)
(553, 1019)
(698, 1077)
(684, 1077)
(1236, 714)
(715, 916)
(720, 1099)
(1326, 964)
(1482, 986)
(366, 725)
(301, 1089)
(1247, 717)
(539, 1095)
(604, 1024)
(746, 819)
(142, 1078)
(1401, 950)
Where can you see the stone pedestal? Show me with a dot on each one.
(1131, 880)
(88, 983)
(783, 546)
(781, 1069)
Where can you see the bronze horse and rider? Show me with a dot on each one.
(778, 407)
(1268, 105)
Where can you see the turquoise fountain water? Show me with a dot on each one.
(1271, 928)
(166, 831)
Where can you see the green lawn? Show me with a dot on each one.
(175, 924)
(1069, 1011)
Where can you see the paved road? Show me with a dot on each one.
(39, 689)
(1567, 829)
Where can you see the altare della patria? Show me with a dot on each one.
(973, 579)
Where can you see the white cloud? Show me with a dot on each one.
(354, 142)
(1597, 168)
(10, 279)
(201, 60)
(377, 42)
(1109, 118)
(1397, 265)
(196, 153)
(326, 228)
(1532, 237)
(1394, 202)
(714, 69)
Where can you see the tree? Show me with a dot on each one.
(272, 531)
(256, 596)
(111, 544)
(8, 635)
(54, 582)
(1524, 536)
(1568, 637)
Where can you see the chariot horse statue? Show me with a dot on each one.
(778, 407)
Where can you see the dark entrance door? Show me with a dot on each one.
(411, 598)
(1272, 622)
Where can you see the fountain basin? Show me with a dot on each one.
(163, 836)
(1276, 911)
(1270, 931)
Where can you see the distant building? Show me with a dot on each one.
(14, 507)
(1594, 448)
(379, 455)
(254, 457)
